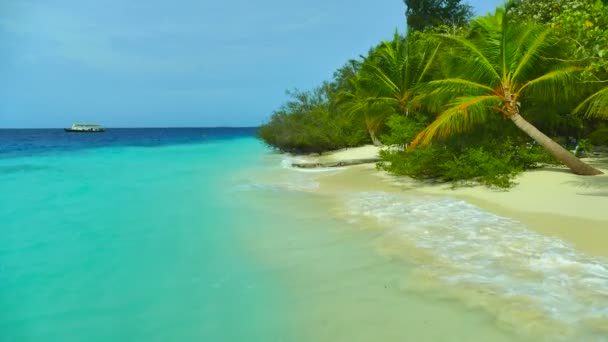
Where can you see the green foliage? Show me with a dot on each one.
(584, 146)
(403, 129)
(420, 163)
(498, 69)
(387, 80)
(599, 137)
(585, 24)
(595, 106)
(536, 58)
(492, 163)
(485, 167)
(308, 124)
(423, 14)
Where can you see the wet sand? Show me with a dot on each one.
(368, 256)
(552, 201)
(346, 284)
(573, 217)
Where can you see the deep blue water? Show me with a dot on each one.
(27, 142)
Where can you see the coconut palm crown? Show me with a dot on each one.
(388, 79)
(495, 68)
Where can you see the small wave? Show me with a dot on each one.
(287, 185)
(522, 277)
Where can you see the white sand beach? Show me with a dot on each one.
(362, 152)
(551, 200)
(531, 260)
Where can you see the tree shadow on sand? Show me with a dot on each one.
(594, 185)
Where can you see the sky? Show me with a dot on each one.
(178, 63)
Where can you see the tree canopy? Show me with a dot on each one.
(422, 14)
(464, 100)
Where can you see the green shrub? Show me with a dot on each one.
(419, 163)
(402, 129)
(583, 147)
(485, 167)
(308, 123)
(532, 156)
(491, 163)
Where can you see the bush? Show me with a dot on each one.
(309, 124)
(584, 146)
(482, 166)
(493, 163)
(402, 129)
(419, 163)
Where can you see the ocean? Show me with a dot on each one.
(205, 234)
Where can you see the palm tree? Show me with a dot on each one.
(387, 80)
(502, 68)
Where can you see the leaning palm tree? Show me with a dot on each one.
(502, 67)
(387, 80)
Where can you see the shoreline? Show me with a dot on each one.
(550, 201)
(360, 242)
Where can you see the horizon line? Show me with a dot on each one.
(139, 127)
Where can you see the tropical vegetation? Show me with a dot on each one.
(424, 14)
(465, 99)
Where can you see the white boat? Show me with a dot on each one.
(85, 128)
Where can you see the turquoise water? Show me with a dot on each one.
(130, 243)
(205, 235)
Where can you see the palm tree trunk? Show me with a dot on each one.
(555, 149)
(374, 138)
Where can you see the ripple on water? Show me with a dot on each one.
(530, 282)
(301, 184)
(21, 168)
(283, 178)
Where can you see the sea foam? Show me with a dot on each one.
(520, 276)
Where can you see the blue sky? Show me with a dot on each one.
(153, 63)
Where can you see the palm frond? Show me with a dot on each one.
(554, 84)
(531, 55)
(429, 62)
(480, 65)
(436, 94)
(463, 114)
(487, 35)
(354, 105)
(384, 79)
(520, 39)
(595, 106)
(455, 85)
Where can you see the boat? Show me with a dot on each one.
(85, 128)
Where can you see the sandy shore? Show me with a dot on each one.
(552, 201)
(363, 152)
